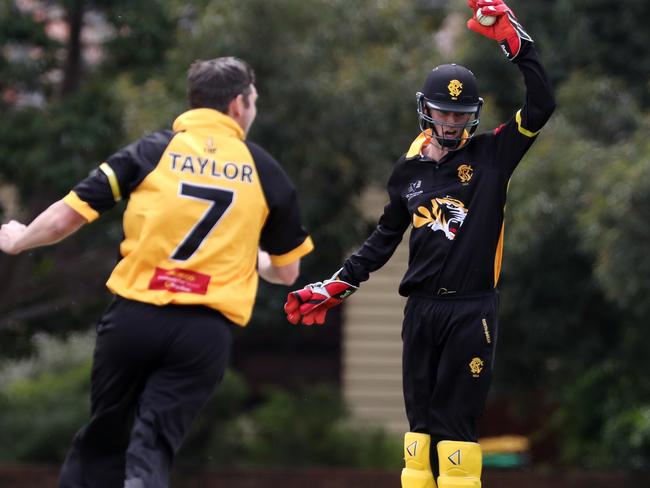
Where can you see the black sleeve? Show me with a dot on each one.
(115, 179)
(283, 231)
(381, 244)
(516, 136)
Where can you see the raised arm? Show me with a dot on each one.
(518, 47)
(517, 135)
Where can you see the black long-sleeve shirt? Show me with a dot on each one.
(456, 205)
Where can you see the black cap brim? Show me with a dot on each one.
(451, 107)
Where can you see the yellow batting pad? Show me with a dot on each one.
(417, 473)
(460, 464)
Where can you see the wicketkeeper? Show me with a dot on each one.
(450, 188)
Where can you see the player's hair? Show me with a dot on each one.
(214, 83)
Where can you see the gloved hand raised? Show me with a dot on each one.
(310, 304)
(506, 30)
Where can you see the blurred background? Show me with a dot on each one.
(337, 82)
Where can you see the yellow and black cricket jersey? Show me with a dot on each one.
(201, 200)
(456, 206)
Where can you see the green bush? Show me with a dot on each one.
(311, 428)
(628, 436)
(40, 416)
(44, 400)
(285, 429)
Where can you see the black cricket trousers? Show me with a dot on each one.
(447, 359)
(153, 369)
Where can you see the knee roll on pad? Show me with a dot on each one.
(460, 464)
(417, 472)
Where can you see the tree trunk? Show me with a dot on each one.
(73, 64)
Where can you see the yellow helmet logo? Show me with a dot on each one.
(455, 88)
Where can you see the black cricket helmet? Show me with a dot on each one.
(449, 88)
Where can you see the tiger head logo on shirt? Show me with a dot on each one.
(446, 214)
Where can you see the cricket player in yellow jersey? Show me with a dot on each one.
(207, 213)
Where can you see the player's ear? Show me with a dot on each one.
(236, 106)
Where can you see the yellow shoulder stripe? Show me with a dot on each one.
(305, 248)
(523, 130)
(112, 180)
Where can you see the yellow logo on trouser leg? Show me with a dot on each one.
(417, 473)
(460, 464)
(476, 366)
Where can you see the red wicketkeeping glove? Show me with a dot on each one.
(506, 30)
(310, 304)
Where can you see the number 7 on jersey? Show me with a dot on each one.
(220, 200)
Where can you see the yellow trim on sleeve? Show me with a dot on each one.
(112, 180)
(499, 255)
(73, 201)
(305, 248)
(524, 131)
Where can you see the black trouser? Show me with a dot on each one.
(153, 370)
(447, 364)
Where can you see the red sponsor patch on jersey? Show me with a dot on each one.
(498, 129)
(179, 280)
